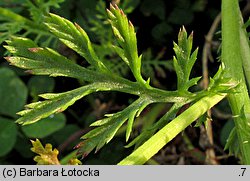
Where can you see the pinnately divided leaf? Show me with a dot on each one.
(44, 61)
(54, 103)
(73, 36)
(125, 34)
(184, 60)
(108, 127)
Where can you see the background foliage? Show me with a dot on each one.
(157, 24)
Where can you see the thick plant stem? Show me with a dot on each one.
(233, 61)
(171, 130)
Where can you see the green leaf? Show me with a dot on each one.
(13, 93)
(221, 83)
(108, 127)
(54, 103)
(73, 36)
(125, 34)
(184, 60)
(43, 61)
(45, 127)
(8, 134)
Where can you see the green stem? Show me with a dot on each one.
(171, 130)
(245, 53)
(123, 85)
(232, 59)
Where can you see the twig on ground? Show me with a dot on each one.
(206, 55)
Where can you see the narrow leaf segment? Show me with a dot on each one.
(125, 34)
(54, 103)
(184, 60)
(75, 38)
